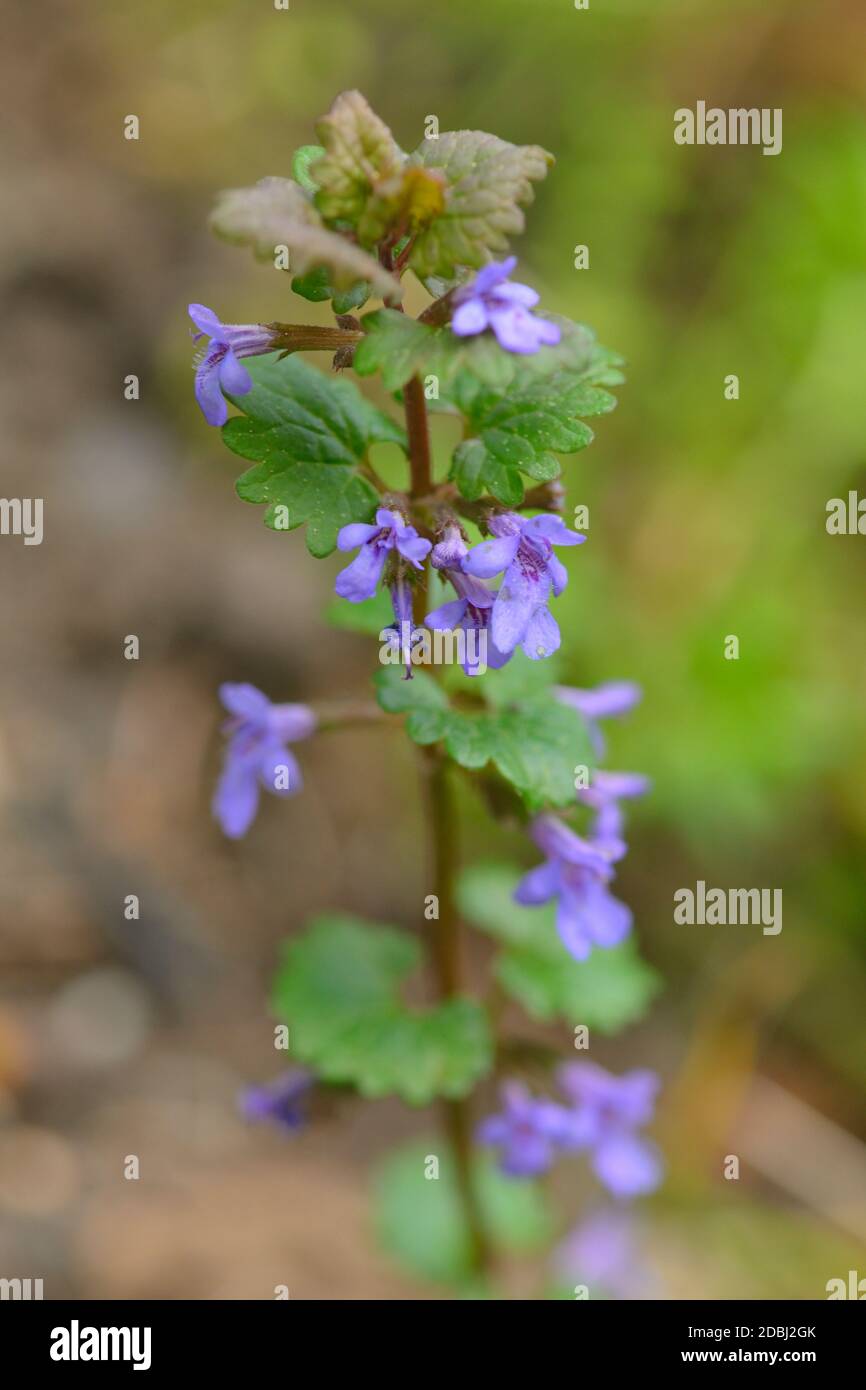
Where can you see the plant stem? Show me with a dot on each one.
(443, 857)
(449, 973)
(419, 439)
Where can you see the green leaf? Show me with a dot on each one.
(302, 160)
(420, 1220)
(534, 744)
(338, 992)
(610, 990)
(307, 433)
(316, 286)
(275, 213)
(487, 182)
(520, 432)
(359, 153)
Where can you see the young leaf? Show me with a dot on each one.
(302, 160)
(517, 433)
(274, 213)
(308, 434)
(421, 1220)
(487, 180)
(534, 744)
(359, 153)
(338, 991)
(608, 991)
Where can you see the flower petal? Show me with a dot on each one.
(491, 557)
(359, 580)
(628, 1166)
(356, 534)
(205, 320)
(469, 318)
(553, 529)
(207, 386)
(245, 701)
(542, 635)
(290, 722)
(539, 885)
(236, 798)
(448, 615)
(234, 377)
(279, 770)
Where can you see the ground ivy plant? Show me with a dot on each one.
(458, 576)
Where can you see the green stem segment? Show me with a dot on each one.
(444, 857)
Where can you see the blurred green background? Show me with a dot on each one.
(707, 518)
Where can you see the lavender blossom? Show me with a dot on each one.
(470, 612)
(603, 1253)
(576, 873)
(218, 367)
(526, 1131)
(279, 1102)
(603, 795)
(490, 300)
(256, 755)
(606, 1112)
(359, 580)
(607, 701)
(523, 553)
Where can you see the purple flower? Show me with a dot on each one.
(606, 701)
(359, 580)
(523, 553)
(606, 1111)
(399, 637)
(604, 794)
(256, 755)
(527, 1131)
(490, 301)
(218, 367)
(281, 1101)
(603, 1253)
(471, 613)
(576, 873)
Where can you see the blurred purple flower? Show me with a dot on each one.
(606, 701)
(606, 1111)
(603, 1254)
(256, 755)
(359, 580)
(576, 873)
(523, 553)
(603, 795)
(218, 366)
(280, 1102)
(490, 300)
(526, 1131)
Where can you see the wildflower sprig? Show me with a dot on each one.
(472, 554)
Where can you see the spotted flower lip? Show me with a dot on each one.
(492, 301)
(256, 756)
(522, 551)
(281, 1102)
(576, 873)
(360, 579)
(218, 367)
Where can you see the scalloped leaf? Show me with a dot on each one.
(534, 743)
(275, 212)
(487, 181)
(421, 1222)
(307, 433)
(359, 153)
(338, 990)
(609, 991)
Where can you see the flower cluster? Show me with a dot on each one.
(577, 871)
(600, 1118)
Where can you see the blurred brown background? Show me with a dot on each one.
(132, 1037)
